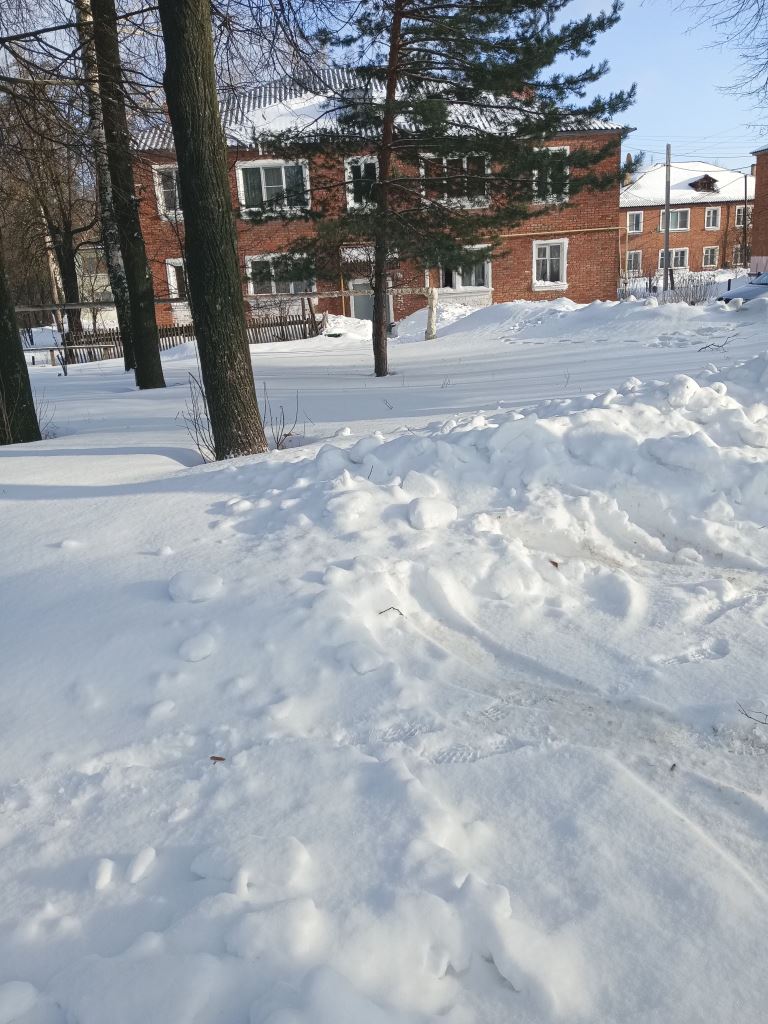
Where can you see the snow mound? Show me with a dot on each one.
(195, 587)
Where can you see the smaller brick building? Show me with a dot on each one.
(759, 261)
(569, 247)
(706, 225)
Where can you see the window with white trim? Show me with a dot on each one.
(264, 277)
(712, 218)
(455, 180)
(709, 260)
(678, 259)
(177, 279)
(738, 258)
(551, 184)
(167, 190)
(474, 273)
(550, 264)
(635, 261)
(679, 220)
(360, 174)
(635, 222)
(273, 185)
(739, 221)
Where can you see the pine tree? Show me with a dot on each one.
(210, 248)
(457, 100)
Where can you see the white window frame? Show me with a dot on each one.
(738, 220)
(635, 213)
(553, 200)
(270, 258)
(706, 249)
(349, 163)
(678, 211)
(712, 227)
(479, 289)
(272, 210)
(639, 268)
(672, 251)
(550, 286)
(160, 196)
(173, 288)
(458, 202)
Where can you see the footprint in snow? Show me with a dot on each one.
(197, 648)
(711, 650)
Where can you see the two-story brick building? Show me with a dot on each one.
(570, 247)
(706, 224)
(759, 261)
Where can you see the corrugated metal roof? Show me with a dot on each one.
(301, 103)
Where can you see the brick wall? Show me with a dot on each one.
(698, 237)
(760, 215)
(587, 221)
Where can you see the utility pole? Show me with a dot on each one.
(744, 228)
(666, 216)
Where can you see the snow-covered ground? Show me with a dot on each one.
(471, 651)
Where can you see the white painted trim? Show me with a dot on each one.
(739, 210)
(471, 289)
(713, 227)
(364, 281)
(553, 200)
(550, 286)
(635, 213)
(349, 162)
(173, 290)
(634, 270)
(275, 210)
(467, 203)
(672, 251)
(710, 266)
(270, 257)
(675, 210)
(159, 197)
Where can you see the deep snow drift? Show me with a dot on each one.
(473, 681)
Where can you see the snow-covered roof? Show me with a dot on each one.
(761, 149)
(648, 188)
(302, 104)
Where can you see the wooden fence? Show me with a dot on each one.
(105, 343)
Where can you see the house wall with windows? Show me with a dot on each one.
(707, 210)
(759, 255)
(568, 246)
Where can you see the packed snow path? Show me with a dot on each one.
(473, 686)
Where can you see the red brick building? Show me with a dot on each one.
(707, 209)
(569, 248)
(759, 261)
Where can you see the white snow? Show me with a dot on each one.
(432, 716)
(648, 188)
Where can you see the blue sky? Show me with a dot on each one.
(678, 75)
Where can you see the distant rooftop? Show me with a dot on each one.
(691, 182)
(301, 104)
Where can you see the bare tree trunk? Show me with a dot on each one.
(64, 248)
(146, 343)
(380, 245)
(110, 235)
(18, 419)
(213, 272)
(57, 292)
